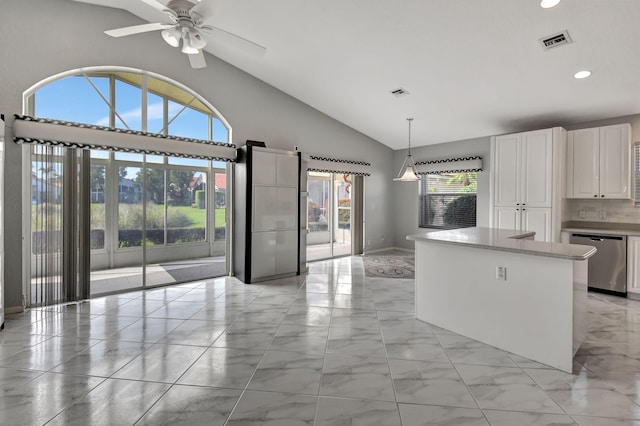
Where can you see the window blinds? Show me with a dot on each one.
(88, 136)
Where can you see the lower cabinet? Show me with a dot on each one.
(274, 253)
(633, 265)
(535, 219)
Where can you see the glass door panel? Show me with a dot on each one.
(342, 184)
(120, 266)
(318, 216)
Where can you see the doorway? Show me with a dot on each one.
(330, 215)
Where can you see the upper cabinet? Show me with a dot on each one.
(526, 187)
(524, 164)
(599, 162)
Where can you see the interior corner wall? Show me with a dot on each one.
(405, 194)
(42, 38)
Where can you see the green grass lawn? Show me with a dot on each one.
(198, 216)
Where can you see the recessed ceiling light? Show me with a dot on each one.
(582, 74)
(546, 4)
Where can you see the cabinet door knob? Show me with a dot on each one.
(523, 204)
(517, 204)
(602, 196)
(523, 209)
(595, 195)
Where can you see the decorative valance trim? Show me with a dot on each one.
(20, 140)
(321, 164)
(337, 160)
(88, 136)
(339, 172)
(452, 165)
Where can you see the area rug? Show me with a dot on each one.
(389, 266)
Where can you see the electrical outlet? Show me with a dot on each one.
(602, 214)
(582, 214)
(501, 273)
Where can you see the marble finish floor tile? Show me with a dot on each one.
(257, 408)
(427, 415)
(510, 418)
(192, 405)
(307, 315)
(41, 399)
(462, 350)
(340, 412)
(421, 382)
(291, 372)
(112, 402)
(357, 377)
(161, 363)
(301, 338)
(223, 367)
(331, 347)
(350, 341)
(242, 334)
(506, 388)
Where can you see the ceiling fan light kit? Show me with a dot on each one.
(187, 25)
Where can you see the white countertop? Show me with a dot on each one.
(506, 240)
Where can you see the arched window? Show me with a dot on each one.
(127, 99)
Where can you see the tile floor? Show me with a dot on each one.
(329, 348)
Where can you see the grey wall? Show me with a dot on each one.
(40, 38)
(405, 194)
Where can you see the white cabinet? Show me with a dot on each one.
(599, 162)
(526, 187)
(535, 219)
(633, 265)
(267, 209)
(523, 166)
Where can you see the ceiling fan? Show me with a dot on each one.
(187, 25)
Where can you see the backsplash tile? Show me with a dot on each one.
(621, 211)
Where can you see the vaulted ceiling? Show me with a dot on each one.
(472, 67)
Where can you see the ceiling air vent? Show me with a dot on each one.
(399, 92)
(555, 40)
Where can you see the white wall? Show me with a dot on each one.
(40, 38)
(405, 194)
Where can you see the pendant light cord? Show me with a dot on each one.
(409, 120)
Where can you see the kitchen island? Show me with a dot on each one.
(502, 288)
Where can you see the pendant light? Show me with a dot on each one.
(408, 172)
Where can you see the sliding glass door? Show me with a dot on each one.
(329, 215)
(151, 220)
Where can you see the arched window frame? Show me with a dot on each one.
(112, 72)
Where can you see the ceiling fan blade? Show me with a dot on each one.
(233, 40)
(197, 60)
(136, 29)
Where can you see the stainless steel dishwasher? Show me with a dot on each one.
(608, 267)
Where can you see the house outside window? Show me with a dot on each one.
(447, 200)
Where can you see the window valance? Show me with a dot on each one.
(317, 163)
(452, 165)
(44, 131)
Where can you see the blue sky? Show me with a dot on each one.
(75, 99)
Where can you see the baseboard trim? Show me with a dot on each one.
(14, 310)
(632, 295)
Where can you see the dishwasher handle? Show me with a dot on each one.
(594, 237)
